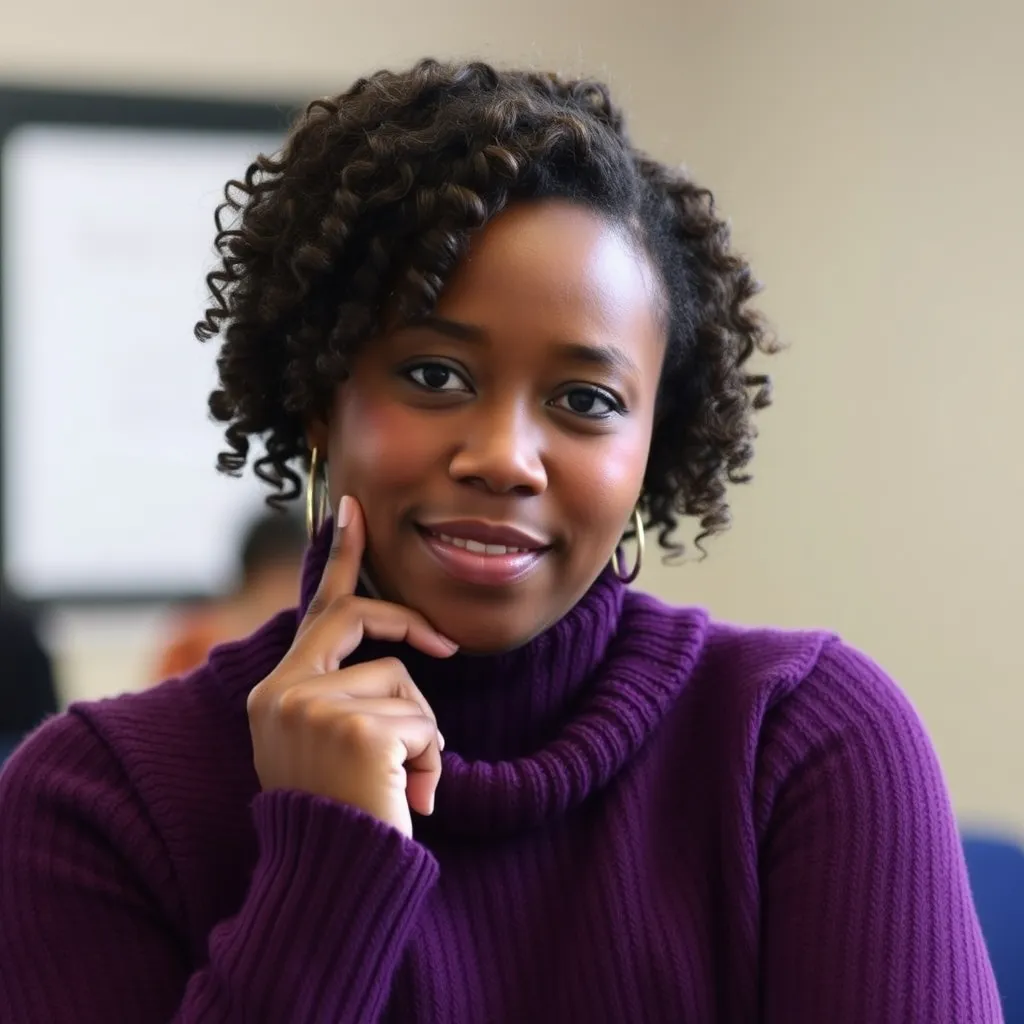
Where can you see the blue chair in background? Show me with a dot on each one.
(996, 869)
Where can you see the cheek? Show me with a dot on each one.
(375, 446)
(603, 488)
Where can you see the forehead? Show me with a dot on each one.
(559, 270)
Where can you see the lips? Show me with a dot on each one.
(484, 554)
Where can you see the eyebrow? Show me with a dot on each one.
(607, 357)
(453, 328)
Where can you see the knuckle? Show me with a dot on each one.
(256, 701)
(292, 706)
(393, 666)
(358, 730)
(260, 700)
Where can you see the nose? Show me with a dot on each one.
(501, 452)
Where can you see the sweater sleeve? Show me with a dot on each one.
(867, 913)
(88, 902)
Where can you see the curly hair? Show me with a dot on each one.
(373, 200)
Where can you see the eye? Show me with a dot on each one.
(436, 377)
(594, 403)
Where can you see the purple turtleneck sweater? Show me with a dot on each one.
(643, 816)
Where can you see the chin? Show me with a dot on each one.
(492, 636)
(487, 621)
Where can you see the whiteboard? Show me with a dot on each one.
(109, 485)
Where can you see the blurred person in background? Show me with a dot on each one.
(476, 776)
(27, 689)
(269, 563)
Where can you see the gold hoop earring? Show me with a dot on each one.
(316, 495)
(638, 528)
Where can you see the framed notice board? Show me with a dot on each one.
(108, 487)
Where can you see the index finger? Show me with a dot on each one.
(341, 572)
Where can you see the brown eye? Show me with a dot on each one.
(593, 403)
(436, 377)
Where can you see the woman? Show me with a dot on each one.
(474, 777)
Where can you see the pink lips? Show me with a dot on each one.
(456, 544)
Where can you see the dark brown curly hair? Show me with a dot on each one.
(372, 202)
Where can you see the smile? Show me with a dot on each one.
(481, 554)
(480, 549)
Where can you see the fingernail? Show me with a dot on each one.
(448, 643)
(440, 739)
(344, 512)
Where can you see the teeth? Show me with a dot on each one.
(478, 548)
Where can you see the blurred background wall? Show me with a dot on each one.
(871, 156)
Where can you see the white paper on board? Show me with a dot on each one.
(109, 453)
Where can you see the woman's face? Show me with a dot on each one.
(498, 448)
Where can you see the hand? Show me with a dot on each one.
(364, 735)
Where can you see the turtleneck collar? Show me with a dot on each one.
(532, 732)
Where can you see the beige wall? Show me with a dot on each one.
(871, 156)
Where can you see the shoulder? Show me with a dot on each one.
(749, 667)
(826, 727)
(808, 690)
(779, 674)
(153, 789)
(68, 805)
(821, 729)
(790, 697)
(193, 726)
(806, 682)
(848, 725)
(99, 758)
(175, 755)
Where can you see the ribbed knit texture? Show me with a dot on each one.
(643, 817)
